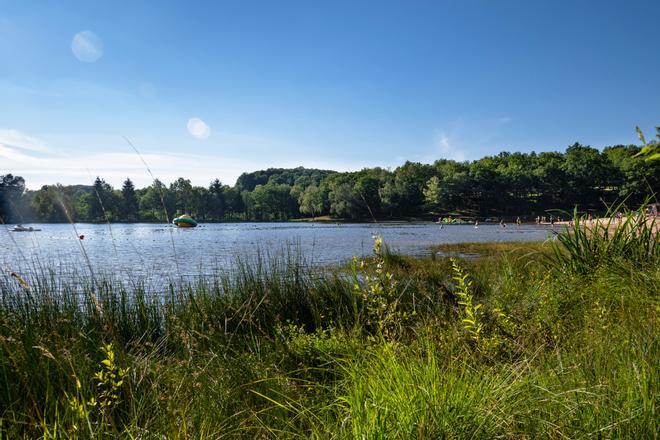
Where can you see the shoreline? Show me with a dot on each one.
(613, 223)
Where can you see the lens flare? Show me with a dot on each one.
(87, 46)
(198, 128)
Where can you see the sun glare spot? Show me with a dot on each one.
(198, 128)
(87, 46)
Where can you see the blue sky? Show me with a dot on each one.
(339, 85)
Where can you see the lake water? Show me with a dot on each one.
(154, 251)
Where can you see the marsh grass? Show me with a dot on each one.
(274, 349)
(588, 244)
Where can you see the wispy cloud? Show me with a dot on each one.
(115, 167)
(10, 138)
(21, 90)
(39, 164)
(468, 139)
(447, 148)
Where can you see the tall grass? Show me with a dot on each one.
(588, 244)
(276, 350)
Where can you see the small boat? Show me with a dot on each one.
(184, 221)
(21, 228)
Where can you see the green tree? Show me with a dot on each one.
(234, 204)
(433, 193)
(217, 200)
(311, 201)
(507, 183)
(389, 197)
(54, 204)
(455, 190)
(129, 204)
(102, 201)
(550, 175)
(272, 202)
(366, 194)
(182, 192)
(342, 201)
(157, 203)
(586, 171)
(12, 189)
(632, 178)
(487, 190)
(409, 180)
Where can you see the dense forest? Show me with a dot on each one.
(508, 184)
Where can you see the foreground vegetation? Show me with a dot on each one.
(508, 184)
(519, 343)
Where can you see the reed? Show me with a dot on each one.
(631, 239)
(276, 349)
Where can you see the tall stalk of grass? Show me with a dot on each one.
(588, 244)
(274, 349)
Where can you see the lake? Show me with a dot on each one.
(155, 250)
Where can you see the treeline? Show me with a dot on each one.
(507, 184)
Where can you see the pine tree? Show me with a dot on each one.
(101, 203)
(218, 205)
(130, 207)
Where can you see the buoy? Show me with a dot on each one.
(185, 221)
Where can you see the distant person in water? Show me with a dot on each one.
(518, 221)
(476, 224)
(502, 224)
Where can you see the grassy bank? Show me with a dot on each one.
(518, 343)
